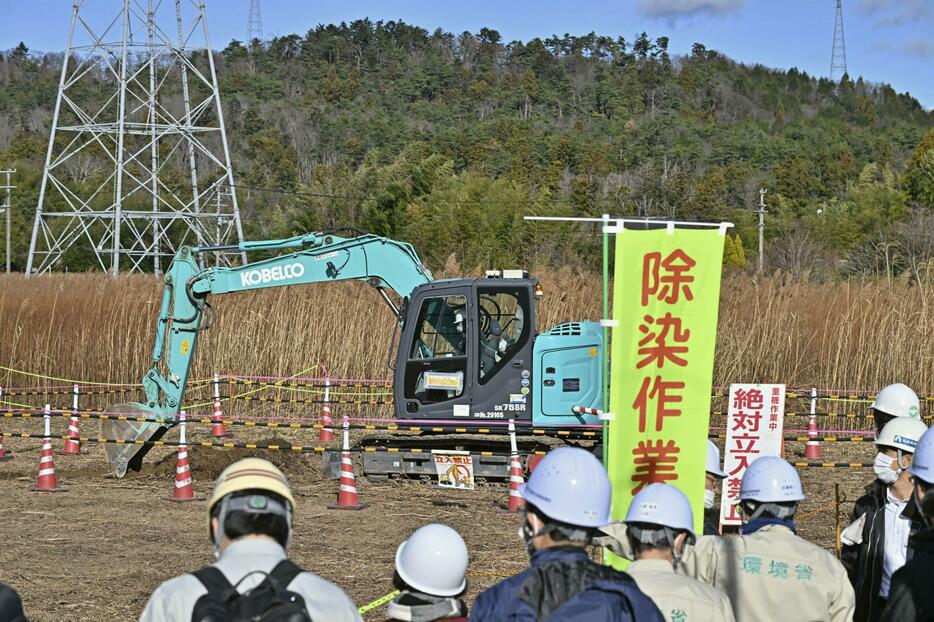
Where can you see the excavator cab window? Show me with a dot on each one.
(437, 362)
(502, 327)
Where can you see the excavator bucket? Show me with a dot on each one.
(132, 437)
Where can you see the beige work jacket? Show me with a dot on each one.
(771, 574)
(680, 598)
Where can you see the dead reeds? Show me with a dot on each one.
(853, 335)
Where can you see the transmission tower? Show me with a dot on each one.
(254, 25)
(137, 162)
(838, 57)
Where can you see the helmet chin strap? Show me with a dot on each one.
(251, 504)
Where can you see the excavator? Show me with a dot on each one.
(468, 350)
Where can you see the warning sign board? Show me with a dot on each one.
(454, 468)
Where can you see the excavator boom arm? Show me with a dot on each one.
(380, 262)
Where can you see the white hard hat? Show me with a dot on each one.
(434, 561)
(713, 460)
(458, 317)
(770, 479)
(922, 466)
(570, 486)
(898, 400)
(902, 433)
(661, 504)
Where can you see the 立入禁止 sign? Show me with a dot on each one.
(454, 468)
(754, 421)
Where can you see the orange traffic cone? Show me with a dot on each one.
(183, 491)
(4, 455)
(218, 429)
(812, 447)
(347, 498)
(72, 438)
(46, 480)
(327, 432)
(516, 502)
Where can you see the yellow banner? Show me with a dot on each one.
(665, 299)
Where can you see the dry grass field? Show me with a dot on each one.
(96, 551)
(855, 335)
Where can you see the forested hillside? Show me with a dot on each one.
(447, 140)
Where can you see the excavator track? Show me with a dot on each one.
(410, 458)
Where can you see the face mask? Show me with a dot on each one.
(709, 498)
(883, 468)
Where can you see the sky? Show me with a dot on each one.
(886, 40)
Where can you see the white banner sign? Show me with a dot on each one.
(754, 423)
(454, 468)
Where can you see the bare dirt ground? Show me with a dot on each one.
(96, 551)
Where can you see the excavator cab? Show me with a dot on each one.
(466, 350)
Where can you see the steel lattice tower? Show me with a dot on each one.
(138, 162)
(838, 56)
(254, 25)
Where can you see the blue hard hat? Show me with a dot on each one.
(713, 460)
(922, 465)
(661, 504)
(570, 486)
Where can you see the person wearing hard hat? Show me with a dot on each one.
(660, 524)
(895, 401)
(11, 607)
(431, 576)
(911, 597)
(567, 498)
(876, 544)
(713, 479)
(768, 572)
(250, 519)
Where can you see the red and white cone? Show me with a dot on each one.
(183, 491)
(218, 429)
(347, 498)
(72, 437)
(812, 447)
(516, 502)
(4, 455)
(46, 480)
(327, 431)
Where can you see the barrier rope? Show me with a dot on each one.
(379, 602)
(252, 423)
(315, 449)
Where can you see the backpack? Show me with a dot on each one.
(267, 602)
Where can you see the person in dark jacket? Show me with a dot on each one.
(911, 598)
(877, 543)
(11, 607)
(715, 476)
(567, 499)
(431, 576)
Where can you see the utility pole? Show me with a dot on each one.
(5, 210)
(761, 211)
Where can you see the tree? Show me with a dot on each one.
(919, 176)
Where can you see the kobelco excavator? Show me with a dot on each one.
(468, 351)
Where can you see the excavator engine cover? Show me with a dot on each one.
(135, 436)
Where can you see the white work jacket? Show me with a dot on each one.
(174, 600)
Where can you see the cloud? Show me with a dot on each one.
(682, 8)
(919, 48)
(898, 12)
(922, 48)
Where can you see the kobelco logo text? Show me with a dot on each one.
(269, 275)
